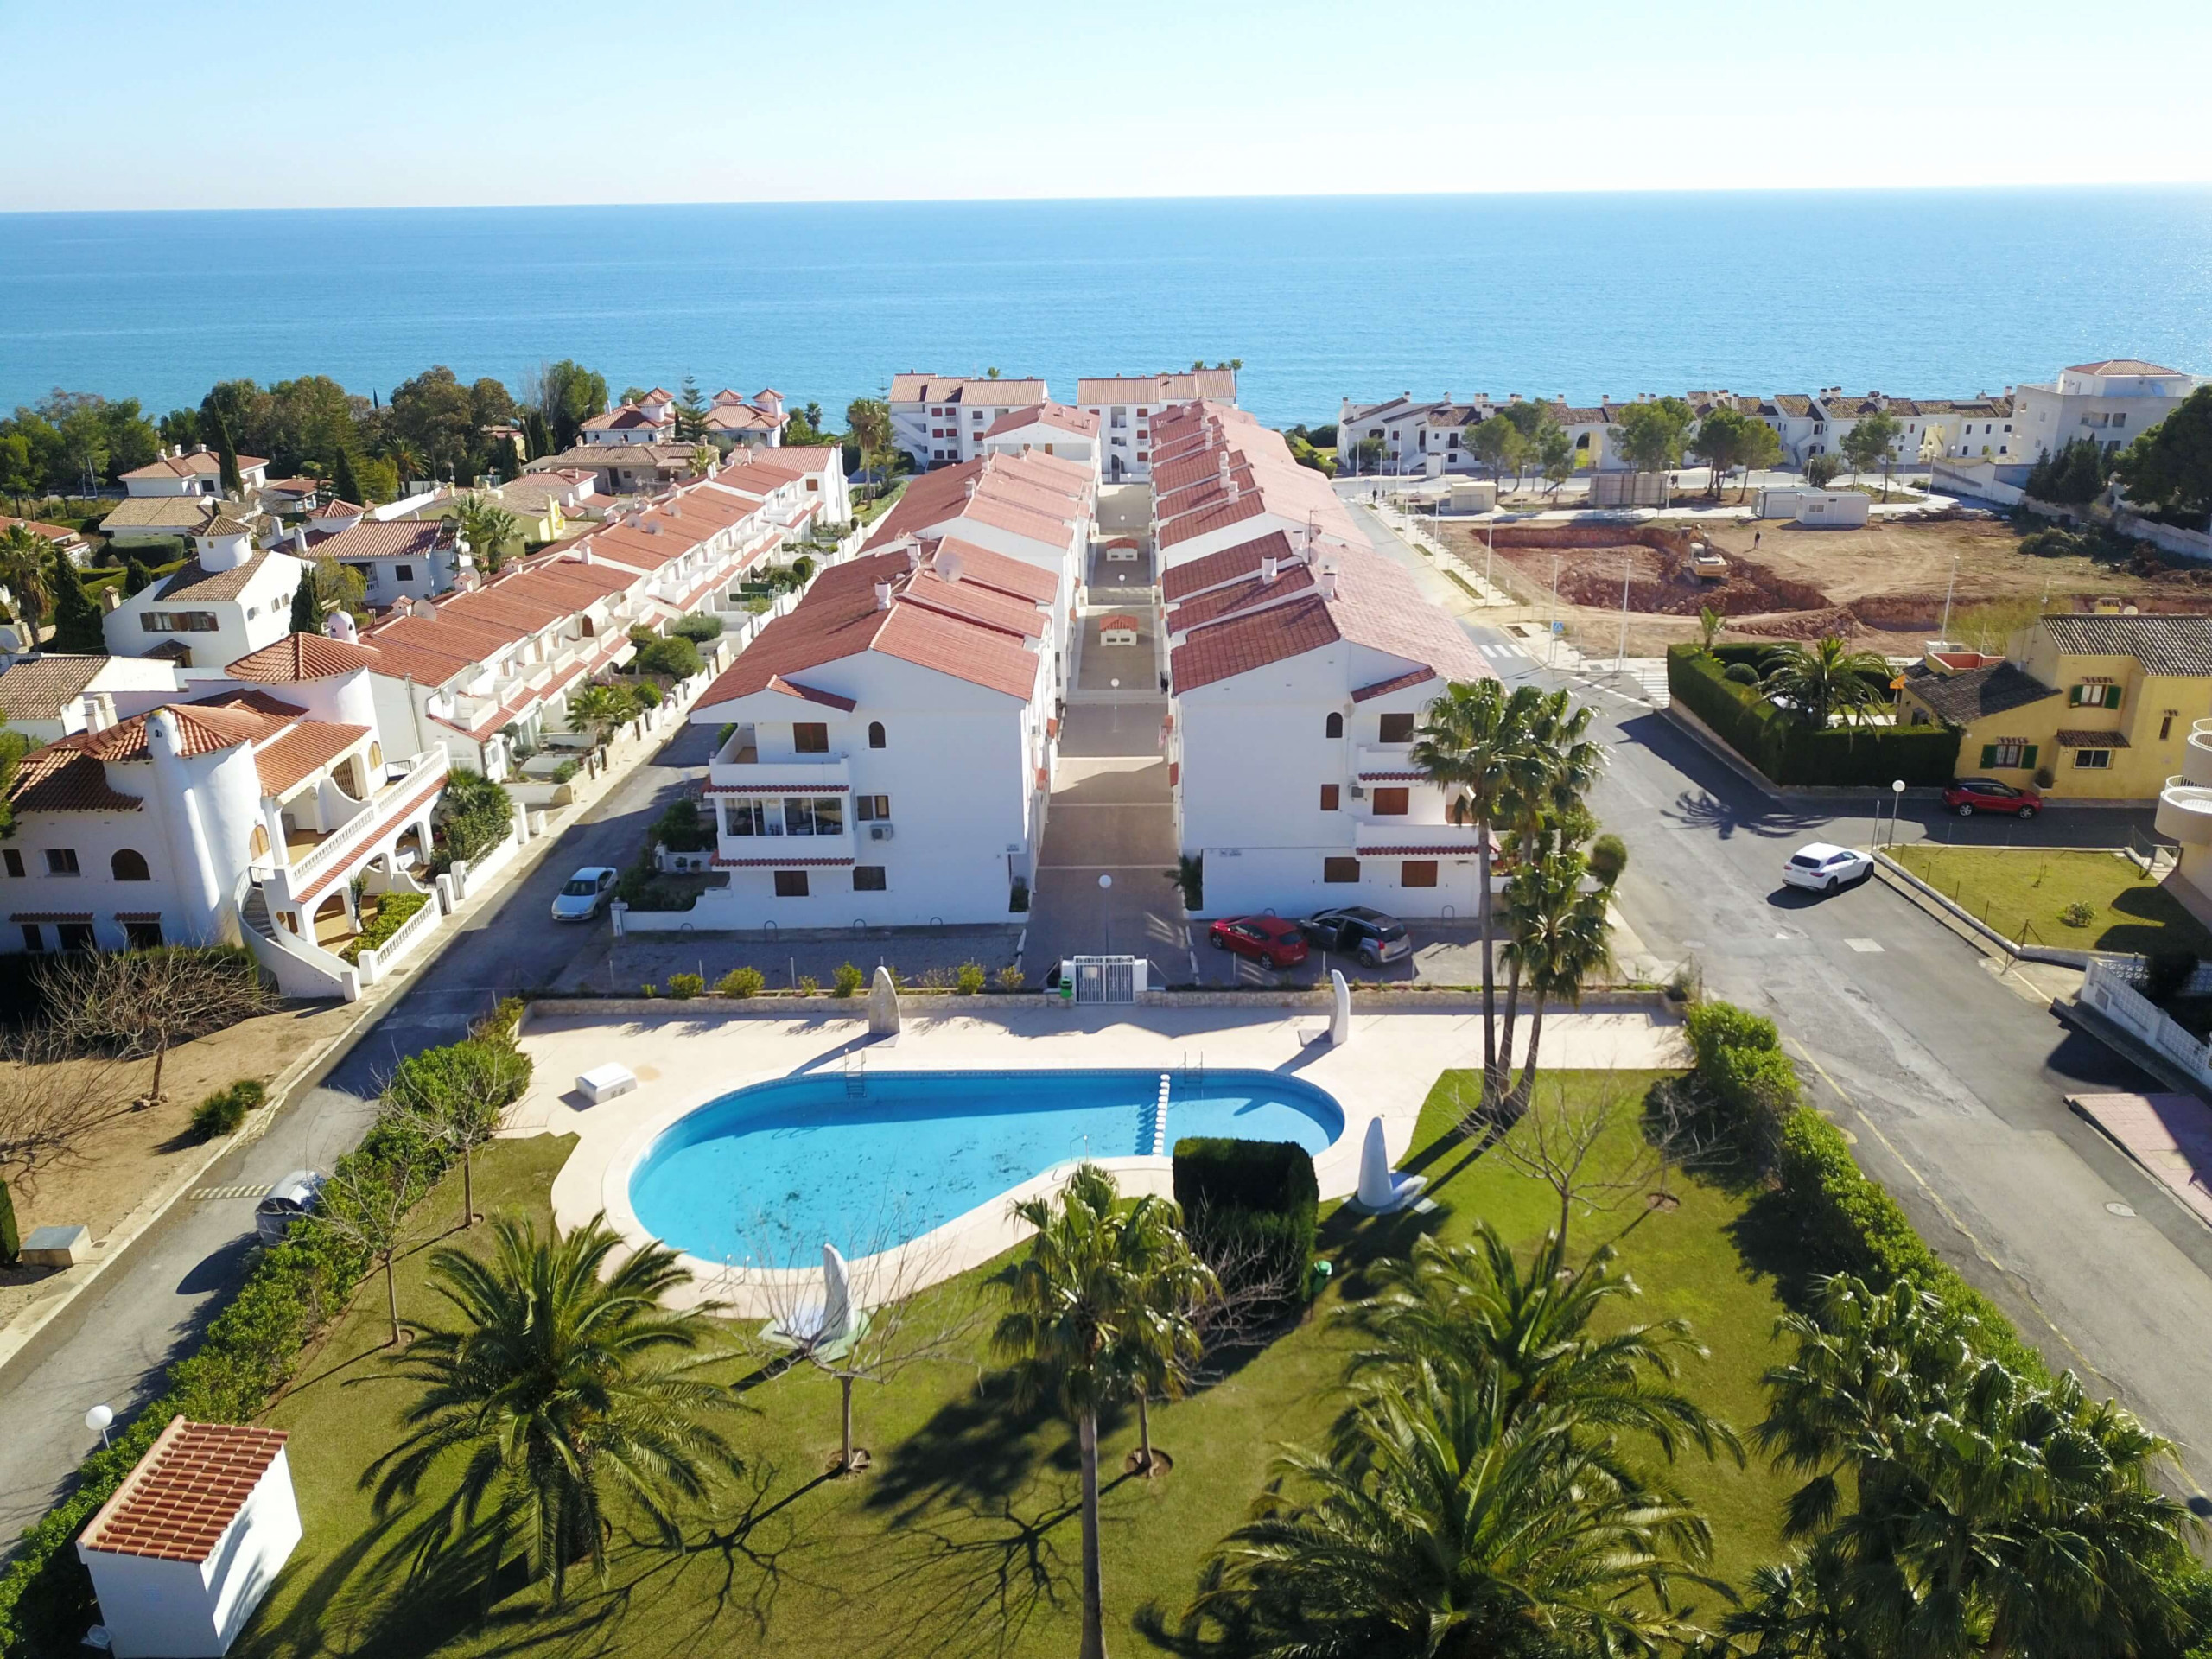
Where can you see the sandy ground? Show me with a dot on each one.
(1882, 588)
(138, 1154)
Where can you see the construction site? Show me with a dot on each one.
(1884, 588)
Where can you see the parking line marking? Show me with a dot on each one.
(1871, 947)
(209, 1194)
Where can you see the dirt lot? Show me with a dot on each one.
(1882, 587)
(143, 1153)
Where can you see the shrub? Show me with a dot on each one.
(848, 979)
(394, 911)
(1786, 751)
(971, 978)
(1742, 1080)
(808, 985)
(1252, 1210)
(679, 658)
(11, 1240)
(648, 694)
(472, 817)
(698, 627)
(2080, 913)
(741, 981)
(567, 770)
(685, 986)
(1010, 978)
(1018, 901)
(224, 1110)
(1741, 673)
(682, 828)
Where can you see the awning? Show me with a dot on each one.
(775, 863)
(51, 916)
(2093, 740)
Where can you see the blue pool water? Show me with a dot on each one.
(766, 1174)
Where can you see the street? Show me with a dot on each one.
(113, 1345)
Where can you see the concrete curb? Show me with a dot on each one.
(941, 1004)
(1944, 909)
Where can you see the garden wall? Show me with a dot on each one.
(1787, 753)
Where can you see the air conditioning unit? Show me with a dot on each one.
(879, 832)
(1359, 792)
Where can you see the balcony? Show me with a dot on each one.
(2196, 757)
(739, 768)
(1394, 761)
(2185, 811)
(1437, 840)
(312, 861)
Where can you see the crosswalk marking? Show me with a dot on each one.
(209, 1194)
(1869, 946)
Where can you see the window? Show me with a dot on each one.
(2094, 694)
(744, 818)
(260, 841)
(2166, 725)
(1329, 797)
(1393, 803)
(34, 941)
(177, 621)
(791, 884)
(402, 572)
(143, 936)
(814, 815)
(2008, 754)
(129, 866)
(2092, 760)
(15, 861)
(810, 737)
(61, 860)
(1417, 872)
(1340, 870)
(1333, 726)
(868, 878)
(871, 808)
(74, 935)
(875, 739)
(1397, 728)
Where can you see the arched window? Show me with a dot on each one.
(260, 841)
(876, 733)
(129, 866)
(375, 754)
(1335, 727)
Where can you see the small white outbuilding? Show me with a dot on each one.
(1118, 629)
(191, 1542)
(1820, 509)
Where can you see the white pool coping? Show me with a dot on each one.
(685, 1060)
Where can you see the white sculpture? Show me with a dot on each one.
(883, 1006)
(1382, 1190)
(1340, 1009)
(823, 1329)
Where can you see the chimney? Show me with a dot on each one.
(1325, 581)
(914, 557)
(109, 599)
(882, 596)
(199, 448)
(1268, 566)
(300, 540)
(338, 625)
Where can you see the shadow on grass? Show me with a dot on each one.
(976, 1449)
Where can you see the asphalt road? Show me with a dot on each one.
(113, 1346)
(1950, 1076)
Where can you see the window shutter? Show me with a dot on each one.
(2074, 696)
(2027, 757)
(1988, 755)
(2111, 696)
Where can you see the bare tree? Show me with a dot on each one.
(139, 1004)
(454, 1097)
(368, 1203)
(1603, 1153)
(51, 1098)
(906, 1309)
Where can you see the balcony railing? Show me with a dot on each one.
(742, 768)
(2185, 811)
(368, 825)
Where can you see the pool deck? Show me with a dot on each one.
(684, 1059)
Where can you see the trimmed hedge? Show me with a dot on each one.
(249, 1351)
(1252, 1206)
(1783, 749)
(394, 911)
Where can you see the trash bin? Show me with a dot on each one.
(1318, 1277)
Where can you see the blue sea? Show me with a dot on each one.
(1929, 293)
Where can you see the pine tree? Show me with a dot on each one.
(537, 437)
(226, 452)
(76, 619)
(343, 482)
(306, 606)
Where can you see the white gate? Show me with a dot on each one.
(1105, 979)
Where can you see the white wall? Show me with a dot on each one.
(260, 615)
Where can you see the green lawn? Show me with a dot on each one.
(2022, 893)
(963, 1539)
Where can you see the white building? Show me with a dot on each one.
(232, 599)
(1049, 429)
(2110, 402)
(756, 423)
(197, 471)
(396, 559)
(892, 754)
(939, 418)
(51, 696)
(652, 419)
(820, 470)
(245, 813)
(193, 1539)
(1125, 404)
(1298, 683)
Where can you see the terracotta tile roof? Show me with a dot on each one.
(1078, 421)
(60, 533)
(742, 417)
(1242, 643)
(197, 582)
(628, 417)
(183, 513)
(1175, 387)
(308, 747)
(1962, 699)
(1230, 598)
(1404, 682)
(2119, 365)
(2090, 740)
(1457, 849)
(777, 863)
(812, 694)
(39, 688)
(299, 657)
(913, 388)
(1230, 564)
(254, 702)
(61, 779)
(795, 460)
(51, 916)
(186, 1492)
(206, 464)
(976, 603)
(980, 566)
(2164, 645)
(386, 538)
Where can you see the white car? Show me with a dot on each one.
(1824, 868)
(296, 1196)
(586, 891)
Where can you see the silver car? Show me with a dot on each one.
(296, 1196)
(580, 899)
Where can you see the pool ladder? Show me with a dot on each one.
(855, 1077)
(1152, 1134)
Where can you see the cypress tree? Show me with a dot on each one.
(137, 577)
(76, 619)
(306, 606)
(343, 480)
(226, 452)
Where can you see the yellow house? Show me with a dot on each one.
(2081, 707)
(538, 517)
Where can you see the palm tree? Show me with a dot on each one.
(599, 710)
(1992, 1515)
(488, 527)
(1824, 680)
(1161, 1343)
(1479, 745)
(24, 556)
(1085, 1306)
(1558, 936)
(406, 460)
(564, 1386)
(1189, 879)
(1444, 1534)
(1709, 624)
(1524, 1336)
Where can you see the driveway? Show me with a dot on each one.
(1112, 816)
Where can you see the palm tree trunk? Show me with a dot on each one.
(1094, 1610)
(1505, 1035)
(467, 1190)
(391, 1297)
(1144, 1434)
(1518, 1101)
(1486, 922)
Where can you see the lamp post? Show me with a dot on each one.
(1620, 651)
(1106, 909)
(1897, 799)
(99, 1418)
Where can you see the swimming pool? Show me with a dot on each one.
(765, 1175)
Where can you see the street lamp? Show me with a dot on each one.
(1105, 885)
(1897, 799)
(99, 1418)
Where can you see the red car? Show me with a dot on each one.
(1266, 938)
(1971, 795)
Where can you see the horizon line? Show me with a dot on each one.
(1043, 200)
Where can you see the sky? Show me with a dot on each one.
(256, 103)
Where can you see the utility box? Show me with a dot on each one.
(1472, 496)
